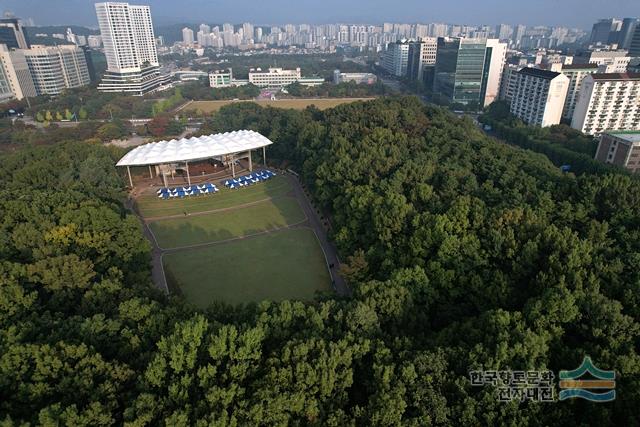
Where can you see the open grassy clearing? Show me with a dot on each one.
(297, 104)
(150, 206)
(287, 264)
(225, 225)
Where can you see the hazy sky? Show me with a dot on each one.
(574, 13)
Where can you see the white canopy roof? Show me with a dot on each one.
(196, 148)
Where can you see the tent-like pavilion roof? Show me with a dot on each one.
(196, 148)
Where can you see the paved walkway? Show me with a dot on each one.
(329, 249)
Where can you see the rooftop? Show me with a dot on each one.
(537, 72)
(616, 76)
(196, 148)
(631, 136)
(580, 67)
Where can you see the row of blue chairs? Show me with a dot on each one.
(246, 180)
(193, 190)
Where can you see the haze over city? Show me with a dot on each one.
(81, 12)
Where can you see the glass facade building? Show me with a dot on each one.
(462, 68)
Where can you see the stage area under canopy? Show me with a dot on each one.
(225, 147)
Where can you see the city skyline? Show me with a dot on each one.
(492, 12)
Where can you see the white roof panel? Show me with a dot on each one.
(196, 148)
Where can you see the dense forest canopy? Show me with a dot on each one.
(462, 253)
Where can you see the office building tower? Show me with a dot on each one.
(602, 30)
(469, 71)
(17, 72)
(634, 46)
(625, 36)
(187, 36)
(55, 68)
(608, 102)
(620, 148)
(421, 57)
(130, 48)
(538, 97)
(12, 34)
(396, 58)
(576, 74)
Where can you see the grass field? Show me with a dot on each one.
(296, 104)
(219, 226)
(288, 264)
(150, 206)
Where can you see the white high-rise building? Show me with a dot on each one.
(497, 53)
(187, 36)
(608, 102)
(258, 35)
(130, 48)
(539, 95)
(576, 74)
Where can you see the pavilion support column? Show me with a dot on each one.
(264, 156)
(129, 173)
(233, 167)
(150, 172)
(164, 178)
(250, 164)
(188, 177)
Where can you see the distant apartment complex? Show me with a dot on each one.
(469, 70)
(620, 149)
(539, 96)
(608, 102)
(608, 61)
(359, 78)
(130, 48)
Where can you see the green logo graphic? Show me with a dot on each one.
(573, 387)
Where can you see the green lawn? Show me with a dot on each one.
(288, 264)
(218, 226)
(150, 206)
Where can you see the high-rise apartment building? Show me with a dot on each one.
(187, 36)
(538, 97)
(396, 58)
(627, 30)
(421, 58)
(469, 70)
(608, 102)
(576, 74)
(12, 34)
(130, 48)
(55, 68)
(621, 148)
